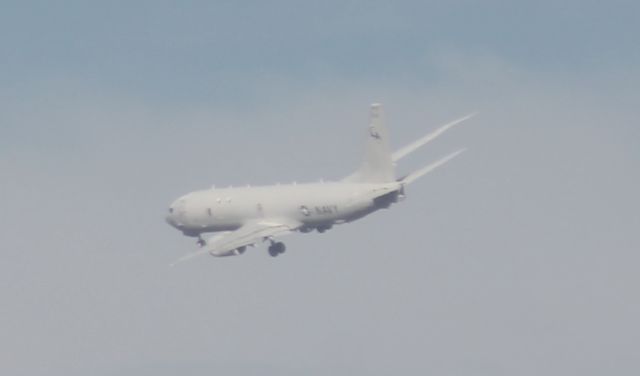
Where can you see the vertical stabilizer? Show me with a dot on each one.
(377, 166)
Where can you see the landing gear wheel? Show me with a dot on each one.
(273, 252)
(323, 229)
(201, 242)
(276, 248)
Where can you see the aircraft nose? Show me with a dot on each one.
(171, 217)
(176, 216)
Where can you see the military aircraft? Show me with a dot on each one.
(248, 216)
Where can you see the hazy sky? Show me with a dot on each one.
(519, 258)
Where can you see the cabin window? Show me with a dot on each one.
(209, 211)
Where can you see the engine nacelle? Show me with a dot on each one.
(233, 252)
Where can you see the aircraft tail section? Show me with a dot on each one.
(377, 166)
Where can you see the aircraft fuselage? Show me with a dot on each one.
(317, 205)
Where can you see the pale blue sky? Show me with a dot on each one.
(519, 258)
(203, 50)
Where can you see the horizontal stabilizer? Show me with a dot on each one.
(401, 153)
(427, 169)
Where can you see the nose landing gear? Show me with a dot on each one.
(276, 248)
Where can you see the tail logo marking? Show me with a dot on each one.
(374, 133)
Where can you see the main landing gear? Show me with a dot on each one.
(200, 242)
(322, 229)
(276, 248)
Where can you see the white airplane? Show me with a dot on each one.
(251, 215)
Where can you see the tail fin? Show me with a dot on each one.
(377, 166)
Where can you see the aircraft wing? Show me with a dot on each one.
(253, 232)
(249, 234)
